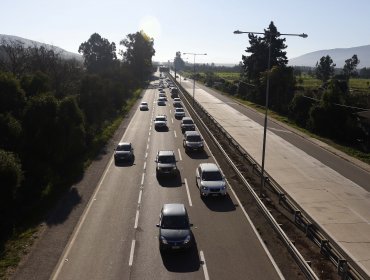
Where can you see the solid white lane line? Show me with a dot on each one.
(140, 194)
(174, 132)
(179, 153)
(144, 166)
(188, 192)
(204, 265)
(142, 179)
(136, 219)
(132, 253)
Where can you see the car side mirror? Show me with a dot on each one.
(157, 225)
(191, 225)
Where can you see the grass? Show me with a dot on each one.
(15, 248)
(229, 76)
(365, 157)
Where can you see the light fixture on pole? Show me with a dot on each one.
(303, 35)
(194, 54)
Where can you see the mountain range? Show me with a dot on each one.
(30, 43)
(337, 55)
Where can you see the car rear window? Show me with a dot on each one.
(160, 118)
(166, 159)
(187, 121)
(194, 138)
(211, 176)
(174, 222)
(123, 148)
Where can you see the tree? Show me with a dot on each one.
(99, 54)
(11, 176)
(257, 62)
(12, 97)
(138, 54)
(350, 66)
(325, 68)
(178, 62)
(15, 57)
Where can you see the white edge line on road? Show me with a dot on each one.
(82, 219)
(250, 222)
(179, 153)
(140, 194)
(142, 179)
(174, 132)
(257, 234)
(136, 218)
(204, 265)
(132, 251)
(188, 192)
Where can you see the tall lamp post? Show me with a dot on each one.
(303, 35)
(194, 54)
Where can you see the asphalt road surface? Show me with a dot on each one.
(117, 237)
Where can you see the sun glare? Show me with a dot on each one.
(151, 26)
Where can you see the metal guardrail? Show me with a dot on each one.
(346, 268)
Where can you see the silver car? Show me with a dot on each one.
(210, 180)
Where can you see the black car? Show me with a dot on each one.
(174, 228)
(187, 124)
(166, 163)
(123, 153)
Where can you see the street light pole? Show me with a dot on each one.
(303, 35)
(194, 55)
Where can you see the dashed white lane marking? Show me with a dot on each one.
(170, 111)
(179, 153)
(188, 192)
(132, 251)
(172, 120)
(204, 265)
(144, 166)
(142, 179)
(174, 132)
(136, 219)
(149, 135)
(140, 194)
(147, 147)
(146, 155)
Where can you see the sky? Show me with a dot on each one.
(196, 26)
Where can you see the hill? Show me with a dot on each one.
(338, 55)
(30, 43)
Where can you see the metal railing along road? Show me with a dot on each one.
(346, 268)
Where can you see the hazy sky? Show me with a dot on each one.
(201, 26)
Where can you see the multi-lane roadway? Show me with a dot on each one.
(117, 238)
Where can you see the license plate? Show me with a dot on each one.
(175, 247)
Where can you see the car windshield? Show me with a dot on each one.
(166, 159)
(211, 176)
(124, 148)
(194, 138)
(187, 121)
(179, 110)
(160, 119)
(174, 222)
(144, 103)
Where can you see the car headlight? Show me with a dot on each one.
(187, 239)
(204, 188)
(163, 240)
(174, 167)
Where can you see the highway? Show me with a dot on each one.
(117, 238)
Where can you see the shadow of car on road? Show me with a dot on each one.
(219, 203)
(182, 261)
(197, 155)
(170, 181)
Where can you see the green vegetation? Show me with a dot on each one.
(55, 117)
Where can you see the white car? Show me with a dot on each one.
(210, 180)
(179, 113)
(144, 106)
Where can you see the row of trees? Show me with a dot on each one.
(53, 113)
(325, 68)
